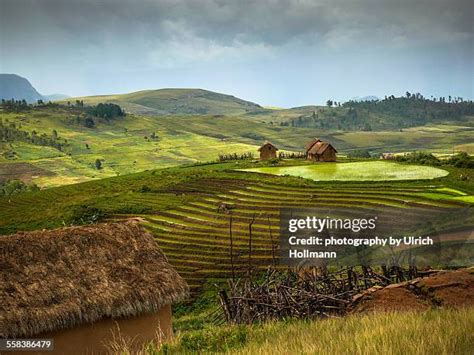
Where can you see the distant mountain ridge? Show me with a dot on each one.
(13, 86)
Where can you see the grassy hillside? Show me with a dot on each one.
(175, 102)
(180, 207)
(392, 113)
(135, 142)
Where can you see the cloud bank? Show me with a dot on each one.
(273, 51)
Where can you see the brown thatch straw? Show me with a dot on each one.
(50, 280)
(320, 147)
(310, 144)
(266, 144)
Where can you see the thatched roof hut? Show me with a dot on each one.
(267, 151)
(318, 150)
(51, 280)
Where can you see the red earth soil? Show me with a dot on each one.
(441, 289)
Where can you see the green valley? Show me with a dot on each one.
(86, 147)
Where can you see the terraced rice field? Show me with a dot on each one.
(195, 235)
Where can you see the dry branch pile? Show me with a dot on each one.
(304, 293)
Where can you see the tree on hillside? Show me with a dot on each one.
(107, 111)
(98, 164)
(329, 103)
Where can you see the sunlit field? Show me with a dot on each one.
(359, 171)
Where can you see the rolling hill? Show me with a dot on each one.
(176, 102)
(65, 149)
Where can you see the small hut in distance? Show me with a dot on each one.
(267, 151)
(317, 150)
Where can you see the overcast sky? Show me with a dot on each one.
(282, 53)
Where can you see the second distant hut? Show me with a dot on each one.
(267, 151)
(317, 150)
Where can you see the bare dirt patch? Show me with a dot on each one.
(440, 289)
(451, 289)
(391, 299)
(21, 171)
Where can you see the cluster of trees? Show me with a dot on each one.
(84, 120)
(107, 111)
(390, 113)
(87, 116)
(331, 103)
(459, 160)
(84, 115)
(235, 156)
(414, 109)
(9, 132)
(21, 105)
(15, 105)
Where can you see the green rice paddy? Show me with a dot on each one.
(359, 171)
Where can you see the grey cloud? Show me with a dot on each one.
(258, 45)
(271, 21)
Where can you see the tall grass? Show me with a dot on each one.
(433, 332)
(440, 331)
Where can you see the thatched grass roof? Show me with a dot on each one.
(320, 147)
(310, 144)
(56, 279)
(267, 144)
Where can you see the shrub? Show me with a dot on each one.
(144, 188)
(85, 214)
(461, 160)
(419, 158)
(362, 153)
(11, 187)
(274, 161)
